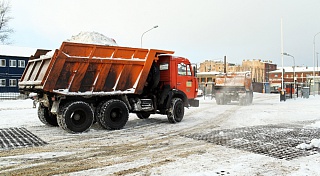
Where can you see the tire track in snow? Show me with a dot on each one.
(103, 151)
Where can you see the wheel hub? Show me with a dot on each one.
(77, 117)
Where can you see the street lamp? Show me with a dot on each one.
(294, 73)
(146, 32)
(314, 57)
(317, 62)
(282, 93)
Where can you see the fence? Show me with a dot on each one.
(8, 93)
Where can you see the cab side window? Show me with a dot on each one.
(184, 69)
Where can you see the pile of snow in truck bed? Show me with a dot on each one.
(92, 38)
(87, 38)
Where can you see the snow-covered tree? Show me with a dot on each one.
(5, 30)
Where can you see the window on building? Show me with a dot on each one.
(2, 83)
(13, 83)
(21, 63)
(12, 63)
(209, 79)
(2, 62)
(203, 79)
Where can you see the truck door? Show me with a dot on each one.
(186, 82)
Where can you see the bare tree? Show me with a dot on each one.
(5, 30)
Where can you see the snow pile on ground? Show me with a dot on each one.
(92, 38)
(314, 143)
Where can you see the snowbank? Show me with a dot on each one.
(92, 38)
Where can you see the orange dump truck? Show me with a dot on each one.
(233, 87)
(84, 83)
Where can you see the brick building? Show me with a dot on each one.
(259, 69)
(303, 78)
(218, 66)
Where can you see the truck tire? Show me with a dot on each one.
(114, 115)
(242, 101)
(97, 112)
(176, 111)
(250, 97)
(218, 101)
(46, 117)
(245, 100)
(143, 115)
(223, 100)
(76, 117)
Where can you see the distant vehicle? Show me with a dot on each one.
(83, 83)
(275, 89)
(235, 86)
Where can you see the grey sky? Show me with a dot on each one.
(199, 30)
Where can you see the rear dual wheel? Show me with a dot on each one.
(114, 114)
(143, 115)
(46, 117)
(76, 117)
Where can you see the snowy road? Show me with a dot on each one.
(156, 147)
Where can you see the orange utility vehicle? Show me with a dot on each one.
(233, 87)
(84, 83)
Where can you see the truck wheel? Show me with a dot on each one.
(46, 117)
(223, 101)
(97, 112)
(244, 101)
(76, 117)
(114, 115)
(143, 115)
(247, 100)
(250, 98)
(218, 101)
(176, 111)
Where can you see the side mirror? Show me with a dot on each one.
(195, 70)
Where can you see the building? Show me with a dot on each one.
(259, 69)
(218, 66)
(13, 61)
(304, 77)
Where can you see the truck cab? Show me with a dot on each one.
(177, 72)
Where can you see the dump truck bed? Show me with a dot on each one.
(86, 69)
(233, 80)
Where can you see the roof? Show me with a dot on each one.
(208, 73)
(297, 69)
(8, 50)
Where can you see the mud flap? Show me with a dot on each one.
(193, 102)
(55, 107)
